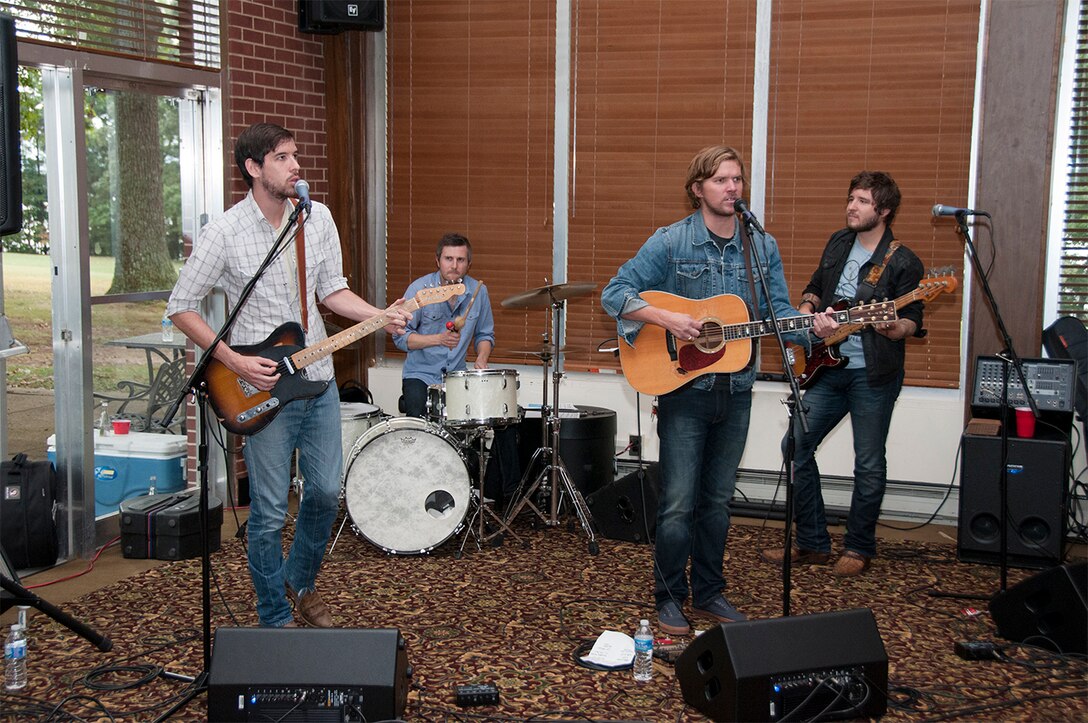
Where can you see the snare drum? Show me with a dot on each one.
(356, 418)
(480, 397)
(407, 487)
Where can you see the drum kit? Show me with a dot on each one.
(407, 483)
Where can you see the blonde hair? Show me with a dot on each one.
(705, 164)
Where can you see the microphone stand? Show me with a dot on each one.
(795, 411)
(197, 386)
(1017, 364)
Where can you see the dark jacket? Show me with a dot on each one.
(883, 357)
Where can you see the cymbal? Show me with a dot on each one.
(543, 296)
(540, 351)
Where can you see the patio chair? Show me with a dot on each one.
(144, 404)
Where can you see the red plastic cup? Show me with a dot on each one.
(121, 426)
(1025, 422)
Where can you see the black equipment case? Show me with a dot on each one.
(167, 526)
(28, 512)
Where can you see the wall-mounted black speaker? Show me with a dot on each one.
(308, 674)
(332, 16)
(626, 509)
(11, 167)
(1035, 504)
(807, 667)
(1049, 610)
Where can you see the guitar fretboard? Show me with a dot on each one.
(715, 333)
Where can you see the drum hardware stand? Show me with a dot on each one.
(554, 472)
(483, 505)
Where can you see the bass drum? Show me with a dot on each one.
(407, 487)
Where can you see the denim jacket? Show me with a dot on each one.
(682, 259)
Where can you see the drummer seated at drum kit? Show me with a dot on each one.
(437, 341)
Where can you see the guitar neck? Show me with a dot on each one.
(847, 329)
(751, 329)
(337, 341)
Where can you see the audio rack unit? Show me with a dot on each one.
(1052, 383)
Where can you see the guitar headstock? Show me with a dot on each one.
(937, 283)
(436, 294)
(873, 313)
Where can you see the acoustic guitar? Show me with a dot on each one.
(659, 362)
(244, 409)
(825, 354)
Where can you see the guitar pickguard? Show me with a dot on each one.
(248, 390)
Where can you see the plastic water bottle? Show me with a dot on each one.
(15, 659)
(104, 420)
(151, 483)
(167, 329)
(644, 652)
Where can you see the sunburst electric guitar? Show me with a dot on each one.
(244, 409)
(659, 362)
(825, 353)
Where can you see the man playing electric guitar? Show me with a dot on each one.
(861, 261)
(227, 254)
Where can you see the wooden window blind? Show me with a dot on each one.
(1073, 275)
(857, 84)
(177, 32)
(864, 84)
(654, 82)
(471, 89)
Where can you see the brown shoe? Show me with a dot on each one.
(775, 555)
(310, 607)
(851, 564)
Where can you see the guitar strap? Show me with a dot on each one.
(300, 256)
(884, 252)
(746, 244)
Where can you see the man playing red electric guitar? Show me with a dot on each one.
(863, 262)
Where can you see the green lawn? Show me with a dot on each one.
(28, 305)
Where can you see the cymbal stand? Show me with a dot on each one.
(476, 525)
(554, 471)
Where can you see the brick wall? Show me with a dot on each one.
(274, 73)
(271, 73)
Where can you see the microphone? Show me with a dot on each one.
(750, 218)
(303, 190)
(941, 210)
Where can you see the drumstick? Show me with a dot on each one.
(459, 321)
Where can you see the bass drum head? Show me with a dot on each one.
(407, 487)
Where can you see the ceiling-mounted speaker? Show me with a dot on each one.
(333, 16)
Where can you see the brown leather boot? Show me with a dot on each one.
(310, 607)
(775, 555)
(851, 564)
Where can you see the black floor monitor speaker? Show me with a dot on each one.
(1049, 610)
(304, 674)
(627, 509)
(1037, 470)
(808, 667)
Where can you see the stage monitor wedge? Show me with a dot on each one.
(807, 667)
(295, 674)
(332, 16)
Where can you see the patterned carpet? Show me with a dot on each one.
(513, 615)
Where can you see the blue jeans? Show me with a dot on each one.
(702, 439)
(313, 427)
(835, 394)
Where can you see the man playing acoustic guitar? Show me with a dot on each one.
(703, 424)
(861, 261)
(227, 254)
